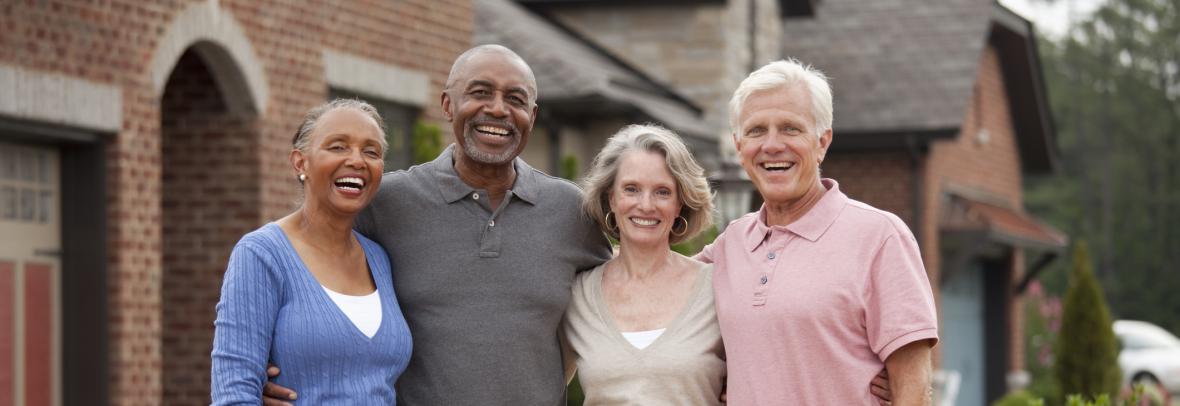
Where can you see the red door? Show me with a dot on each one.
(30, 243)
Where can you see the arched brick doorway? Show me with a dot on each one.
(210, 197)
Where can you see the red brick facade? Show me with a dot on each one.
(186, 174)
(882, 179)
(966, 162)
(989, 164)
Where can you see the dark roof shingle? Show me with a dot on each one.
(894, 65)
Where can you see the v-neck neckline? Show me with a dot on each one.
(609, 319)
(308, 278)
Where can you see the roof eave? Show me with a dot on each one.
(1015, 40)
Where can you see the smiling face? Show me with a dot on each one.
(777, 143)
(343, 162)
(491, 104)
(644, 199)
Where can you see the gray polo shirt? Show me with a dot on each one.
(483, 288)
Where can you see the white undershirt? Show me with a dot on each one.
(642, 339)
(364, 311)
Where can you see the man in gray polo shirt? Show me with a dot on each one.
(483, 247)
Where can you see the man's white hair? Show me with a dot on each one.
(780, 75)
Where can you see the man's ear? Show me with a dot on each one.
(825, 141)
(446, 106)
(533, 118)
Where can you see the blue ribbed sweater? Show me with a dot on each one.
(272, 308)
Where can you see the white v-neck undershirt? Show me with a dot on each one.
(642, 339)
(364, 311)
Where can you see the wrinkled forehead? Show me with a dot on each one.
(497, 66)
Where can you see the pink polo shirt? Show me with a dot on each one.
(810, 311)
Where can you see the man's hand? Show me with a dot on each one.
(272, 393)
(879, 387)
(910, 374)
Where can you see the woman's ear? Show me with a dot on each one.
(298, 161)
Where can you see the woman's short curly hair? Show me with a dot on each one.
(696, 199)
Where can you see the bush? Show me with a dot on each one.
(568, 168)
(693, 246)
(1086, 356)
(1019, 398)
(428, 142)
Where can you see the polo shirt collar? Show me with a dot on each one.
(453, 189)
(811, 226)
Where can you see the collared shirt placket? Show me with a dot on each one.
(489, 240)
(770, 255)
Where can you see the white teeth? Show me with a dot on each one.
(645, 222)
(350, 182)
(490, 129)
(776, 165)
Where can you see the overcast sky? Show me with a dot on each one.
(1052, 19)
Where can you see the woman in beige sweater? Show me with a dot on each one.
(641, 327)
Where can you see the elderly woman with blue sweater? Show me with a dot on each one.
(309, 293)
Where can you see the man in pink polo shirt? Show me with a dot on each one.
(815, 292)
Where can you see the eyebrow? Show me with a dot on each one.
(514, 89)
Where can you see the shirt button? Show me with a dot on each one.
(475, 196)
(770, 256)
(763, 280)
(492, 223)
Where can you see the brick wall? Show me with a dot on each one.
(210, 198)
(968, 162)
(113, 43)
(882, 179)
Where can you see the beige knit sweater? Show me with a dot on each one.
(684, 366)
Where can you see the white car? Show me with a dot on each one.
(1149, 354)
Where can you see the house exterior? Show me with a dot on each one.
(939, 114)
(140, 139)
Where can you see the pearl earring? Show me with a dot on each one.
(302, 178)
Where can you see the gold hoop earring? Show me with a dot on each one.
(683, 230)
(611, 223)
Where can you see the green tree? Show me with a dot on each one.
(1114, 90)
(1086, 361)
(427, 142)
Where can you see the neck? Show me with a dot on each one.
(785, 213)
(640, 262)
(496, 179)
(323, 230)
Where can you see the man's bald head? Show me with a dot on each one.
(458, 69)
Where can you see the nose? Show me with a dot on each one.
(646, 201)
(774, 143)
(497, 107)
(356, 159)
